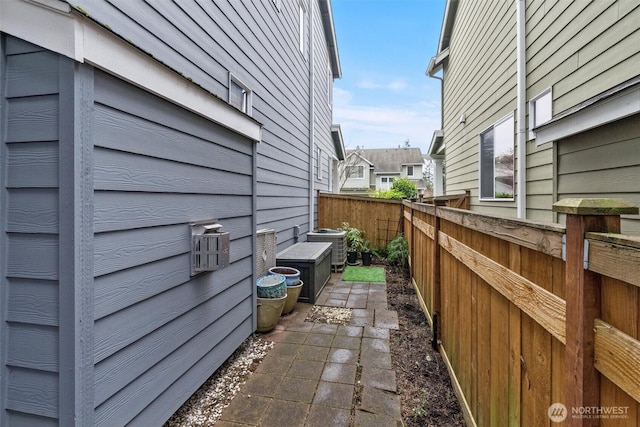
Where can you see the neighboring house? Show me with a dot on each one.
(121, 123)
(376, 169)
(541, 101)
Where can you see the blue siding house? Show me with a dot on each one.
(122, 123)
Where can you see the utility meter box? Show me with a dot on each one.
(209, 247)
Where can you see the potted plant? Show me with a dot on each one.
(366, 253)
(354, 242)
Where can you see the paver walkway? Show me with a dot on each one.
(316, 371)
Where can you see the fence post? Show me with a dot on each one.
(582, 294)
(435, 275)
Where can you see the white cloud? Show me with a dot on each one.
(397, 84)
(385, 127)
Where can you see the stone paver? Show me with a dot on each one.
(380, 402)
(309, 377)
(383, 379)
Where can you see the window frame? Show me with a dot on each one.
(533, 110)
(359, 168)
(412, 170)
(482, 160)
(247, 95)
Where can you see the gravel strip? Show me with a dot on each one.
(206, 405)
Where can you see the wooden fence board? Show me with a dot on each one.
(543, 306)
(544, 238)
(502, 290)
(609, 257)
(618, 355)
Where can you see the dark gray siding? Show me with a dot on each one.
(30, 226)
(102, 323)
(159, 333)
(602, 162)
(205, 40)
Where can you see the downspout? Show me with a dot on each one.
(521, 136)
(311, 115)
(438, 188)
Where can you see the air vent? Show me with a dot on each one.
(209, 247)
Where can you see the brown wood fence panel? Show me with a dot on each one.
(381, 220)
(501, 313)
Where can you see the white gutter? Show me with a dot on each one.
(521, 135)
(311, 116)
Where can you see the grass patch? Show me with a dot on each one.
(363, 274)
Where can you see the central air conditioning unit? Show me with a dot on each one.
(265, 251)
(338, 240)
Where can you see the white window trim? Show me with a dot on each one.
(533, 110)
(70, 34)
(493, 126)
(350, 176)
(412, 171)
(302, 14)
(247, 106)
(319, 163)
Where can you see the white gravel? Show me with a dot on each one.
(206, 405)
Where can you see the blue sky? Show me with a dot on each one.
(384, 97)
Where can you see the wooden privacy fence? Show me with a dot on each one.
(381, 219)
(537, 323)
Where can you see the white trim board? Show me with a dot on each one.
(53, 25)
(607, 110)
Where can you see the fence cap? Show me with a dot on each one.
(588, 206)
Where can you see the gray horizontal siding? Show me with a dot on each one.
(205, 40)
(155, 169)
(602, 162)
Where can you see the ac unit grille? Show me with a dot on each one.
(338, 240)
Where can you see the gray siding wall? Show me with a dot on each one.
(158, 333)
(29, 200)
(479, 81)
(603, 162)
(577, 48)
(580, 49)
(99, 183)
(205, 40)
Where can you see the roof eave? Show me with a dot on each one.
(330, 35)
(338, 142)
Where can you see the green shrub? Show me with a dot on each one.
(388, 194)
(408, 189)
(398, 251)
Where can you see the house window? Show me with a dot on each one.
(355, 172)
(301, 19)
(386, 182)
(540, 111)
(319, 162)
(496, 161)
(409, 170)
(239, 95)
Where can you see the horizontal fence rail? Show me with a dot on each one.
(531, 314)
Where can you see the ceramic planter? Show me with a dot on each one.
(269, 312)
(293, 292)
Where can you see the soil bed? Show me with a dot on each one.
(424, 385)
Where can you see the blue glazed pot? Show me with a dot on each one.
(272, 286)
(292, 275)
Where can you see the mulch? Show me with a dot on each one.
(423, 381)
